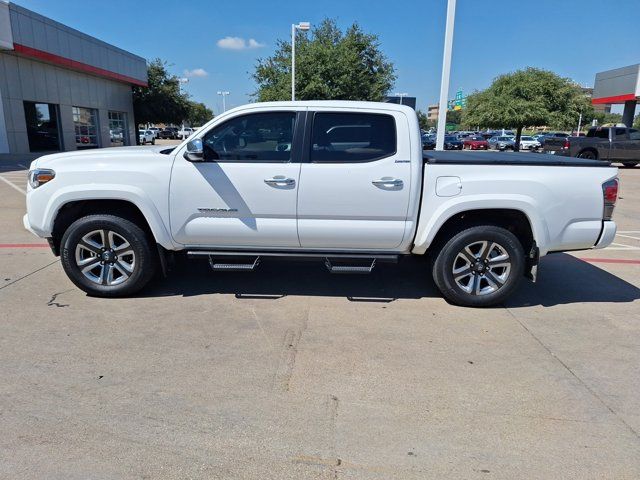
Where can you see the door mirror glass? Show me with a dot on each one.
(195, 151)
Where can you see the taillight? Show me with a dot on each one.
(610, 196)
(567, 144)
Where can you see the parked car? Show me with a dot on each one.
(428, 142)
(529, 143)
(155, 131)
(484, 227)
(502, 143)
(554, 135)
(613, 144)
(451, 142)
(185, 132)
(146, 136)
(476, 142)
(169, 133)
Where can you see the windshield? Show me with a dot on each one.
(477, 138)
(526, 138)
(504, 139)
(450, 138)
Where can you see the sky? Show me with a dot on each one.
(216, 43)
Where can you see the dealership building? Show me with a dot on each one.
(61, 89)
(619, 86)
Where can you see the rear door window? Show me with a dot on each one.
(352, 137)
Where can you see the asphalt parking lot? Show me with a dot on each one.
(290, 372)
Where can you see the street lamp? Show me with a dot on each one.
(401, 95)
(224, 95)
(446, 70)
(303, 27)
(182, 81)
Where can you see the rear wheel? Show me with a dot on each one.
(107, 256)
(480, 266)
(588, 154)
(630, 164)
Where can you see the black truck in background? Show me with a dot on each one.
(613, 144)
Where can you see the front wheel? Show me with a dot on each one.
(107, 256)
(479, 267)
(630, 164)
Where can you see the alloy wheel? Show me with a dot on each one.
(105, 257)
(481, 268)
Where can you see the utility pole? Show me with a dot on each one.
(446, 71)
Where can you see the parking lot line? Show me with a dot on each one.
(13, 185)
(24, 245)
(610, 260)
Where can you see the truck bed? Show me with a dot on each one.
(507, 158)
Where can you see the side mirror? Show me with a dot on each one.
(195, 151)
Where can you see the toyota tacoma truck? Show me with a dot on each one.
(346, 183)
(612, 144)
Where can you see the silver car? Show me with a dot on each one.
(502, 143)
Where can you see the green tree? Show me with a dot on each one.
(330, 65)
(198, 114)
(636, 123)
(529, 97)
(161, 101)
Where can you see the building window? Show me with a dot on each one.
(43, 128)
(85, 121)
(118, 129)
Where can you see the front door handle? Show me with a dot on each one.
(388, 182)
(279, 180)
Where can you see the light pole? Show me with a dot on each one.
(579, 123)
(446, 70)
(401, 95)
(224, 94)
(303, 27)
(182, 81)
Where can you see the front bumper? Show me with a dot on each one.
(607, 235)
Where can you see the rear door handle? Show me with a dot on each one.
(388, 182)
(279, 180)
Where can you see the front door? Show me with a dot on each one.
(355, 184)
(244, 192)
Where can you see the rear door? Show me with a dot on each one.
(354, 180)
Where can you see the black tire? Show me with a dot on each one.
(144, 259)
(153, 141)
(588, 154)
(630, 164)
(448, 257)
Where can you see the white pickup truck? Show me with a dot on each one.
(344, 182)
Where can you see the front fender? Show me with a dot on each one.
(43, 226)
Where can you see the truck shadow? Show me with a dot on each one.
(563, 279)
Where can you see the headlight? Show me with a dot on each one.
(40, 176)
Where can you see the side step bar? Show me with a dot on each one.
(361, 263)
(234, 267)
(349, 268)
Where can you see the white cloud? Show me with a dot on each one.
(196, 72)
(238, 43)
(255, 44)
